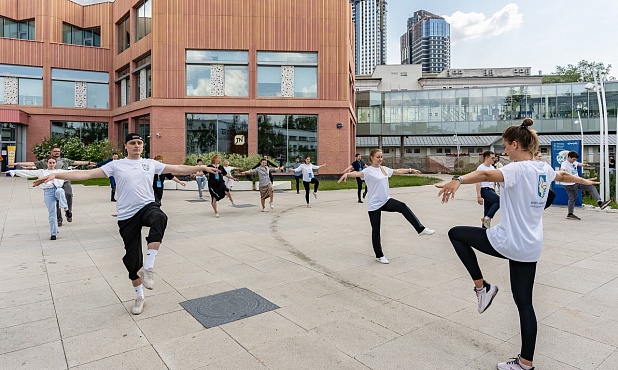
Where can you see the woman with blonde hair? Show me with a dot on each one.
(519, 235)
(216, 183)
(378, 199)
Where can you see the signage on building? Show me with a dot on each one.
(239, 140)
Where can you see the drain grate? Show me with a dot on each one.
(223, 308)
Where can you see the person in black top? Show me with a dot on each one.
(216, 184)
(358, 165)
(268, 163)
(157, 182)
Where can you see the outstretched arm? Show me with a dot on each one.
(25, 164)
(562, 176)
(348, 169)
(176, 180)
(448, 190)
(94, 173)
(403, 171)
(186, 170)
(345, 176)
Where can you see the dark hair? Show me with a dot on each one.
(526, 137)
(573, 154)
(487, 154)
(199, 160)
(114, 153)
(357, 154)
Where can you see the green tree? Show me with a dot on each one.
(581, 72)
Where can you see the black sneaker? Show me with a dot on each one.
(605, 204)
(113, 200)
(53, 237)
(69, 216)
(571, 216)
(59, 223)
(360, 201)
(364, 195)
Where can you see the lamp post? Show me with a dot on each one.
(581, 131)
(603, 132)
(458, 147)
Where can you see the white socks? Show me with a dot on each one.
(149, 261)
(139, 291)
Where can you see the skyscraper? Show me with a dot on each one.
(369, 17)
(427, 41)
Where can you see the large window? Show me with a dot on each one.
(124, 33)
(225, 133)
(81, 36)
(143, 125)
(87, 132)
(21, 84)
(287, 74)
(80, 89)
(143, 24)
(23, 30)
(286, 137)
(143, 78)
(217, 73)
(123, 87)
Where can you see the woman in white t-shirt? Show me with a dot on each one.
(376, 177)
(306, 169)
(519, 235)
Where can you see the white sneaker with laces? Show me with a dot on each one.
(264, 210)
(514, 364)
(382, 260)
(427, 231)
(485, 296)
(216, 215)
(147, 278)
(272, 206)
(486, 222)
(138, 306)
(315, 195)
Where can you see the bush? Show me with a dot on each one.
(74, 149)
(236, 160)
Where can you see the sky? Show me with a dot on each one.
(540, 34)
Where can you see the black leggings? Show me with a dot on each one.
(131, 232)
(315, 183)
(464, 238)
(375, 218)
(359, 183)
(298, 178)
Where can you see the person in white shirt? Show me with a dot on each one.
(52, 192)
(376, 176)
(485, 193)
(570, 166)
(200, 178)
(519, 235)
(229, 182)
(136, 208)
(308, 178)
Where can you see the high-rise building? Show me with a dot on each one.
(427, 41)
(369, 17)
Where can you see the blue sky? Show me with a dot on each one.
(537, 33)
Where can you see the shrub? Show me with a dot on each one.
(74, 149)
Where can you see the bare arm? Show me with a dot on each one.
(479, 198)
(84, 163)
(448, 190)
(176, 180)
(94, 173)
(345, 176)
(25, 164)
(350, 168)
(562, 176)
(403, 171)
(186, 170)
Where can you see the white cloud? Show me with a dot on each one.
(469, 26)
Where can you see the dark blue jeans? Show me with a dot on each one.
(491, 202)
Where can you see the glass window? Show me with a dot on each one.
(143, 69)
(305, 73)
(143, 124)
(287, 137)
(306, 82)
(10, 70)
(225, 133)
(23, 30)
(144, 19)
(124, 34)
(30, 91)
(81, 36)
(1, 90)
(76, 75)
(97, 95)
(63, 94)
(200, 65)
(269, 81)
(87, 132)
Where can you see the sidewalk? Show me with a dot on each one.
(65, 303)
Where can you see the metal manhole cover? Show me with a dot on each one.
(243, 205)
(222, 308)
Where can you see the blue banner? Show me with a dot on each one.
(559, 153)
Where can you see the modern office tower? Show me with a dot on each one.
(369, 17)
(427, 41)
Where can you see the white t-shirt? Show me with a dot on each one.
(229, 183)
(134, 183)
(485, 184)
(519, 235)
(307, 170)
(41, 173)
(378, 191)
(570, 168)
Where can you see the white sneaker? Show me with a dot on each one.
(138, 306)
(147, 278)
(264, 210)
(315, 195)
(485, 296)
(216, 215)
(233, 204)
(427, 231)
(514, 364)
(382, 260)
(272, 206)
(308, 206)
(486, 222)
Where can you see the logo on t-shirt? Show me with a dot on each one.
(145, 167)
(542, 185)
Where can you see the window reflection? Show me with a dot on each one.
(285, 137)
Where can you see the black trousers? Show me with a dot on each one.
(375, 218)
(68, 192)
(158, 194)
(131, 232)
(359, 183)
(306, 184)
(298, 179)
(522, 274)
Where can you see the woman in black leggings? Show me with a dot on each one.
(308, 178)
(524, 185)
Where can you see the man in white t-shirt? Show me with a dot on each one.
(570, 166)
(136, 207)
(485, 193)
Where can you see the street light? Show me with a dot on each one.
(581, 130)
(458, 148)
(603, 132)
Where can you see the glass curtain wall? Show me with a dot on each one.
(224, 133)
(285, 137)
(200, 65)
(87, 132)
(29, 83)
(64, 90)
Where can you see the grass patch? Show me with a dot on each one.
(589, 200)
(92, 182)
(396, 181)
